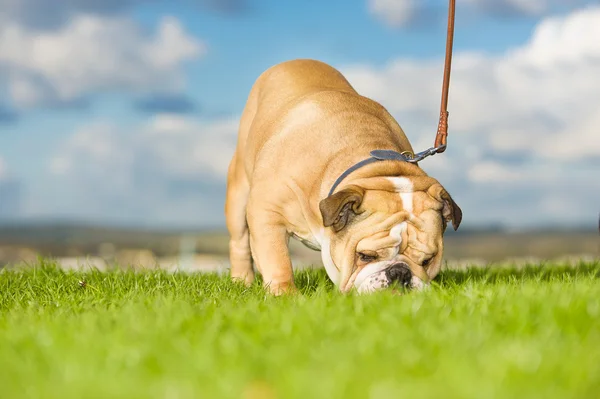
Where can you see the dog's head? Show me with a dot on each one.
(385, 231)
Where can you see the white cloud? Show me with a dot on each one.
(491, 171)
(92, 54)
(45, 14)
(522, 122)
(528, 7)
(523, 7)
(400, 13)
(394, 12)
(180, 146)
(50, 14)
(172, 169)
(3, 170)
(10, 193)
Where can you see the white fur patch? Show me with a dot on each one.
(332, 271)
(374, 282)
(405, 188)
(397, 230)
(369, 270)
(407, 201)
(402, 184)
(418, 284)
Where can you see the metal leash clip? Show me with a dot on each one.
(424, 154)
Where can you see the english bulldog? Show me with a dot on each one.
(317, 161)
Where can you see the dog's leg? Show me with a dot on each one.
(235, 211)
(269, 242)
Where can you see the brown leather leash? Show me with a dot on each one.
(442, 132)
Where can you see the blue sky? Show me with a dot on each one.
(125, 112)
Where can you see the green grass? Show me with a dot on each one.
(481, 333)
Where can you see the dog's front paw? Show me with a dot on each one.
(278, 289)
(246, 279)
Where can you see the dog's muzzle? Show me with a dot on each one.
(400, 274)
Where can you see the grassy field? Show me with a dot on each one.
(479, 333)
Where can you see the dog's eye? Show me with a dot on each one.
(366, 258)
(426, 262)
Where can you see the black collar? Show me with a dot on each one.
(389, 155)
(376, 156)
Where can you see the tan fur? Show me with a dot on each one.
(303, 126)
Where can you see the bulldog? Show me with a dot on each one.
(313, 162)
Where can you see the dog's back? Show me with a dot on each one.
(294, 79)
(294, 94)
(276, 92)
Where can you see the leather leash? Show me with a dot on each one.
(442, 132)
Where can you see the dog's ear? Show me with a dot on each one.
(338, 209)
(451, 211)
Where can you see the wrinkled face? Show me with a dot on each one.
(387, 233)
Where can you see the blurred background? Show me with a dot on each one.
(118, 119)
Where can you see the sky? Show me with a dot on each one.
(125, 112)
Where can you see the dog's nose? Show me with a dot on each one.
(399, 273)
